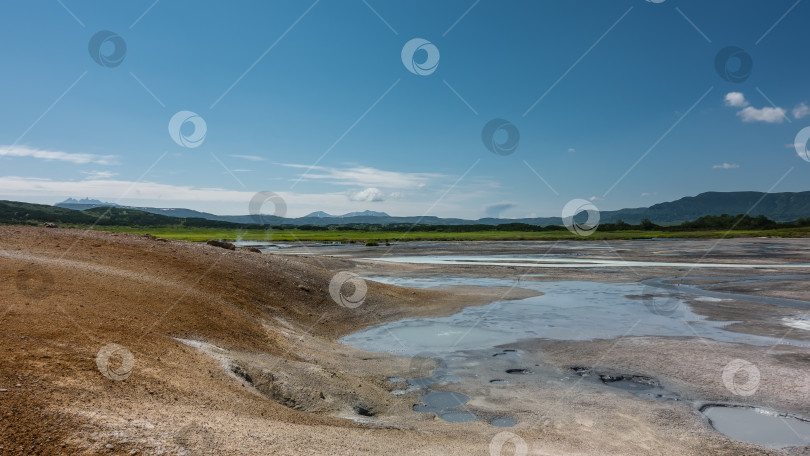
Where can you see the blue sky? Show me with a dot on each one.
(312, 101)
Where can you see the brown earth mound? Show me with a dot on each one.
(120, 344)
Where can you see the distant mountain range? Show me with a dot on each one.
(781, 207)
(322, 214)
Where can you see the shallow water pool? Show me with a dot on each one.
(567, 311)
(758, 426)
(566, 261)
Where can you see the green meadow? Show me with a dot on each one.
(356, 236)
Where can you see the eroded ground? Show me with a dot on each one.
(236, 352)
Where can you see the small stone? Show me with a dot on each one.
(18, 385)
(109, 446)
(3, 390)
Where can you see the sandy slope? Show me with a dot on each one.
(191, 314)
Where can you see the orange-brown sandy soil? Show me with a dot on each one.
(69, 293)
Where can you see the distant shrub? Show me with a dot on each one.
(371, 244)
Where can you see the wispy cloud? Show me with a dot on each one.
(99, 174)
(726, 166)
(248, 157)
(363, 176)
(209, 199)
(54, 155)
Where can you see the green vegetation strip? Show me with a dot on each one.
(293, 235)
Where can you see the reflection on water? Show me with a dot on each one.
(556, 261)
(567, 311)
(570, 310)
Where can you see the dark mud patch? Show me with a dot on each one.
(518, 371)
(639, 385)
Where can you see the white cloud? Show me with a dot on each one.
(595, 198)
(99, 174)
(802, 110)
(495, 210)
(645, 194)
(736, 100)
(766, 114)
(248, 157)
(50, 155)
(363, 176)
(726, 166)
(370, 194)
(751, 114)
(571, 150)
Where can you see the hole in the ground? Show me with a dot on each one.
(638, 385)
(241, 373)
(640, 380)
(518, 371)
(363, 411)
